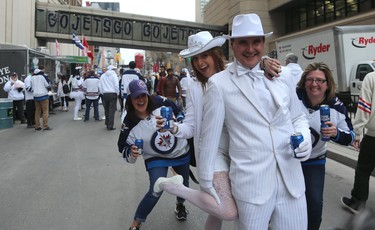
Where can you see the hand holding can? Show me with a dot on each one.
(159, 122)
(295, 140)
(324, 117)
(167, 114)
(139, 144)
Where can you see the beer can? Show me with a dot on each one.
(139, 144)
(324, 117)
(296, 139)
(167, 114)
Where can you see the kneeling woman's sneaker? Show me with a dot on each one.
(136, 227)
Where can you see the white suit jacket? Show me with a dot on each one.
(258, 146)
(191, 127)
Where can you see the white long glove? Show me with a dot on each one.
(213, 193)
(303, 151)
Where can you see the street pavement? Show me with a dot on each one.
(74, 178)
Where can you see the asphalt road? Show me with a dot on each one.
(73, 178)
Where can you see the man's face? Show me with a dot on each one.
(14, 77)
(248, 50)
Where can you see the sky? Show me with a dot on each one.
(174, 9)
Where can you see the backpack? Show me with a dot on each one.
(66, 88)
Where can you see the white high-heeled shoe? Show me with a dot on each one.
(177, 179)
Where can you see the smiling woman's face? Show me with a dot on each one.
(316, 84)
(140, 104)
(204, 63)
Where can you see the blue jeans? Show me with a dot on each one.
(95, 103)
(314, 181)
(151, 199)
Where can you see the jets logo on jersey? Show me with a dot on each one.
(163, 142)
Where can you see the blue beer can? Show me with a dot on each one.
(324, 117)
(296, 139)
(139, 144)
(167, 114)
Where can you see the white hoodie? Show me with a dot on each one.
(11, 87)
(109, 82)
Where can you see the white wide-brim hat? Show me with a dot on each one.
(247, 25)
(201, 42)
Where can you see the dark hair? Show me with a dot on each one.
(76, 72)
(131, 110)
(64, 78)
(217, 55)
(169, 69)
(91, 72)
(132, 64)
(331, 89)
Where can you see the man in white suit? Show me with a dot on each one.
(260, 115)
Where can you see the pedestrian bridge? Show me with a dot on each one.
(115, 29)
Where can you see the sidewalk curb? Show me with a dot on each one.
(348, 161)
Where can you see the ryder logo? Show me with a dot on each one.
(310, 51)
(362, 42)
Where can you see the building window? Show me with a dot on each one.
(310, 13)
(366, 5)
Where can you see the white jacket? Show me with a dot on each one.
(28, 88)
(109, 82)
(296, 72)
(91, 87)
(191, 127)
(259, 144)
(39, 85)
(364, 117)
(11, 87)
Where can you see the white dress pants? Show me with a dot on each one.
(281, 212)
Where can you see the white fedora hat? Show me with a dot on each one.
(247, 25)
(201, 42)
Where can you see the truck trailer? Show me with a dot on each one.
(21, 59)
(349, 51)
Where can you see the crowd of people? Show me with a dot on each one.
(233, 121)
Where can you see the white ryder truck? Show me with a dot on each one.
(349, 51)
